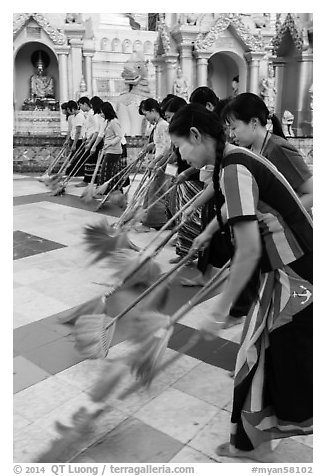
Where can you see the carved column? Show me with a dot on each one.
(62, 52)
(75, 33)
(253, 59)
(88, 53)
(305, 81)
(279, 64)
(171, 67)
(63, 73)
(158, 64)
(202, 63)
(186, 59)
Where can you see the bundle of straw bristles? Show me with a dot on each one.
(138, 297)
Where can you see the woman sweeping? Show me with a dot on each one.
(112, 136)
(270, 228)
(189, 186)
(157, 216)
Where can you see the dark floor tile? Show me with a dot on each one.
(69, 201)
(224, 356)
(134, 442)
(53, 323)
(26, 374)
(33, 335)
(55, 356)
(26, 244)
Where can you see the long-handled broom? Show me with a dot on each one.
(54, 180)
(89, 192)
(46, 175)
(79, 164)
(124, 173)
(93, 335)
(149, 349)
(73, 439)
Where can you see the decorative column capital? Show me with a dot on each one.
(170, 59)
(76, 42)
(88, 47)
(62, 49)
(254, 56)
(202, 56)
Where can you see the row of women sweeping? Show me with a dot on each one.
(262, 194)
(93, 127)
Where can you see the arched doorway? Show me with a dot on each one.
(24, 69)
(223, 66)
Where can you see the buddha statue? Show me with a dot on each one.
(42, 86)
(180, 85)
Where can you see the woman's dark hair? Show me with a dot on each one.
(207, 123)
(72, 105)
(165, 101)
(84, 100)
(108, 111)
(150, 104)
(175, 104)
(64, 108)
(203, 95)
(140, 109)
(246, 106)
(96, 104)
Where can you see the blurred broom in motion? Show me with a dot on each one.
(60, 188)
(46, 176)
(150, 348)
(54, 179)
(88, 193)
(93, 336)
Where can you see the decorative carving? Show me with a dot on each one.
(164, 35)
(205, 41)
(295, 32)
(56, 36)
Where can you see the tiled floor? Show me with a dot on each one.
(181, 418)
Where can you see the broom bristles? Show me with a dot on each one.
(102, 239)
(94, 306)
(65, 448)
(146, 325)
(93, 336)
(108, 380)
(88, 193)
(125, 261)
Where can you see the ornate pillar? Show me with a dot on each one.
(202, 63)
(63, 72)
(279, 64)
(88, 53)
(74, 33)
(305, 82)
(62, 52)
(186, 63)
(158, 64)
(253, 59)
(171, 67)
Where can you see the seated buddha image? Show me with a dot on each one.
(42, 85)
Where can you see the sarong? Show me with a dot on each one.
(274, 375)
(156, 217)
(192, 227)
(111, 165)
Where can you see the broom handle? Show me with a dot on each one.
(56, 160)
(64, 164)
(98, 163)
(125, 172)
(214, 282)
(141, 158)
(70, 159)
(175, 216)
(164, 277)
